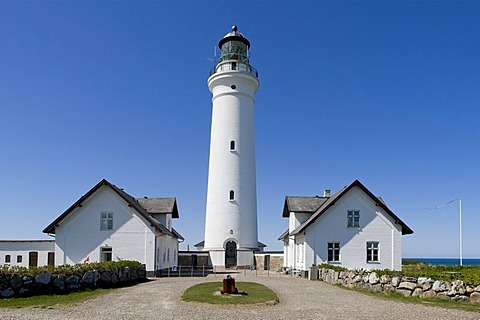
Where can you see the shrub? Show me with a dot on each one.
(68, 269)
(329, 266)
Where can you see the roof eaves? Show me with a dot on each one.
(177, 234)
(51, 227)
(284, 235)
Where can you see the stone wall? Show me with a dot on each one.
(276, 261)
(408, 286)
(46, 283)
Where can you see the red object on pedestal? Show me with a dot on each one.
(229, 286)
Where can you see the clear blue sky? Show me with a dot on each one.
(384, 92)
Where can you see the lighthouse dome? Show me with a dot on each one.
(234, 35)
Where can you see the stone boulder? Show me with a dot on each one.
(7, 293)
(27, 280)
(59, 283)
(440, 286)
(428, 294)
(385, 278)
(475, 297)
(90, 278)
(16, 282)
(417, 292)
(424, 283)
(463, 299)
(407, 285)
(373, 278)
(43, 278)
(106, 276)
(72, 282)
(395, 281)
(132, 274)
(405, 292)
(457, 288)
(4, 282)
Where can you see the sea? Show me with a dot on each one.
(447, 261)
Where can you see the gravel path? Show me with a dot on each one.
(299, 298)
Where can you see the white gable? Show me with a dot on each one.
(377, 224)
(79, 236)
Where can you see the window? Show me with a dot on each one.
(164, 254)
(106, 221)
(300, 252)
(19, 259)
(7, 258)
(334, 251)
(353, 219)
(232, 195)
(105, 254)
(372, 251)
(232, 145)
(168, 254)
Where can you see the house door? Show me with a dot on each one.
(266, 262)
(51, 259)
(33, 259)
(231, 254)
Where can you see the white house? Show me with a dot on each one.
(27, 253)
(353, 229)
(108, 224)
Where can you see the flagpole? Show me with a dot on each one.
(461, 246)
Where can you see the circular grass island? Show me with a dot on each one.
(248, 293)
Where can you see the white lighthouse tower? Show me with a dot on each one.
(231, 216)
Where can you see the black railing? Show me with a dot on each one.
(185, 271)
(234, 65)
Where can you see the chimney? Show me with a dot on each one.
(326, 193)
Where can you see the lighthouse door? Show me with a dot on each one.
(231, 254)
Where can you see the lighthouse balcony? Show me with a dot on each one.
(234, 65)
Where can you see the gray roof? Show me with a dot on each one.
(159, 205)
(302, 204)
(131, 201)
(331, 201)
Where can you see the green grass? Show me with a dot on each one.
(468, 274)
(254, 293)
(50, 301)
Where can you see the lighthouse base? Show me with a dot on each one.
(243, 259)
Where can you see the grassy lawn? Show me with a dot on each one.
(49, 301)
(254, 293)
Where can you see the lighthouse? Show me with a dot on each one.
(231, 235)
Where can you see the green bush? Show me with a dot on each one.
(330, 266)
(67, 269)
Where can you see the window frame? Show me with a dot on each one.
(333, 251)
(106, 221)
(373, 252)
(353, 218)
(19, 258)
(8, 258)
(106, 252)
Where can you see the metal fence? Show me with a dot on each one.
(203, 271)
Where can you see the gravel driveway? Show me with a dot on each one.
(299, 299)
